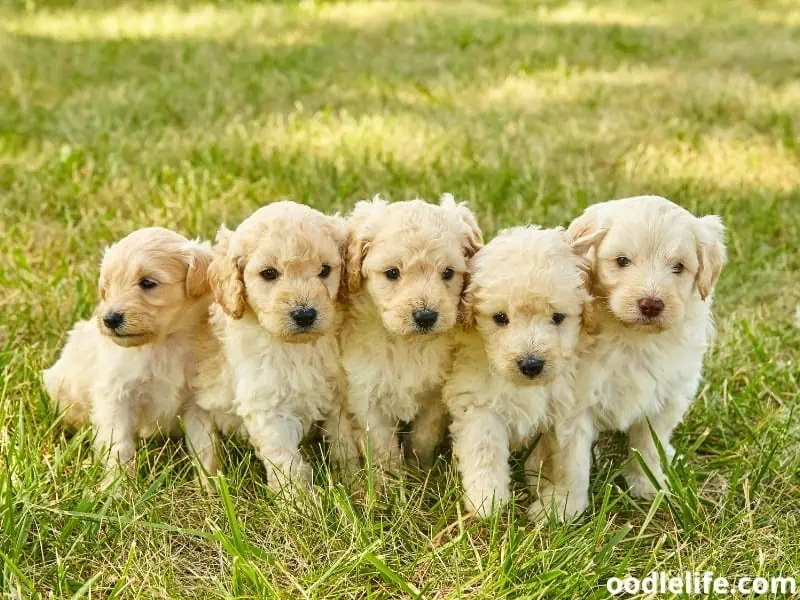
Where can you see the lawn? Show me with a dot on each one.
(118, 115)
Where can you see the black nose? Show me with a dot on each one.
(425, 319)
(304, 316)
(113, 320)
(530, 366)
(651, 307)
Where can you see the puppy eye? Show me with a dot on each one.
(500, 318)
(447, 274)
(558, 318)
(147, 284)
(623, 261)
(269, 274)
(392, 274)
(678, 268)
(325, 271)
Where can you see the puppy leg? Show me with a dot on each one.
(481, 446)
(428, 428)
(381, 441)
(342, 440)
(640, 438)
(115, 436)
(276, 438)
(201, 438)
(568, 449)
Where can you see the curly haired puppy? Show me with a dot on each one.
(272, 364)
(126, 372)
(407, 269)
(514, 368)
(653, 276)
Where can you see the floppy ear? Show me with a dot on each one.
(466, 307)
(473, 237)
(586, 224)
(199, 257)
(342, 234)
(226, 276)
(711, 253)
(360, 234)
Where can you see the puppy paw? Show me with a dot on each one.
(486, 502)
(562, 506)
(640, 486)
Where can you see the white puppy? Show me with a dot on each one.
(271, 362)
(514, 370)
(127, 370)
(653, 276)
(407, 267)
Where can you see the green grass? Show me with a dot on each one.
(115, 116)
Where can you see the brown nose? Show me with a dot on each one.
(651, 307)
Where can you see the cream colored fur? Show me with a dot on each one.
(394, 370)
(261, 373)
(634, 369)
(132, 382)
(531, 278)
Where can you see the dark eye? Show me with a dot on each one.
(269, 274)
(500, 318)
(325, 271)
(558, 318)
(623, 261)
(392, 274)
(147, 284)
(677, 268)
(447, 274)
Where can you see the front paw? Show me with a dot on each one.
(484, 502)
(562, 506)
(640, 486)
(297, 477)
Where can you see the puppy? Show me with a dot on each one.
(514, 368)
(126, 371)
(653, 276)
(270, 364)
(406, 273)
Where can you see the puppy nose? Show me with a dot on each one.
(651, 307)
(425, 319)
(112, 320)
(530, 366)
(304, 316)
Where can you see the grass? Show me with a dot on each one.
(120, 115)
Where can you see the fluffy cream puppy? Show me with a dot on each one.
(271, 362)
(653, 277)
(406, 272)
(127, 371)
(514, 369)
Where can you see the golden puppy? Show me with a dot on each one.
(126, 371)
(407, 268)
(272, 365)
(514, 369)
(654, 273)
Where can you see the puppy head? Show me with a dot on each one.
(655, 260)
(284, 263)
(411, 258)
(148, 282)
(527, 296)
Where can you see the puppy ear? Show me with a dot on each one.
(586, 224)
(342, 233)
(473, 237)
(199, 257)
(466, 306)
(711, 253)
(360, 234)
(586, 242)
(225, 274)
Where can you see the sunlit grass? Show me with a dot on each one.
(119, 115)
